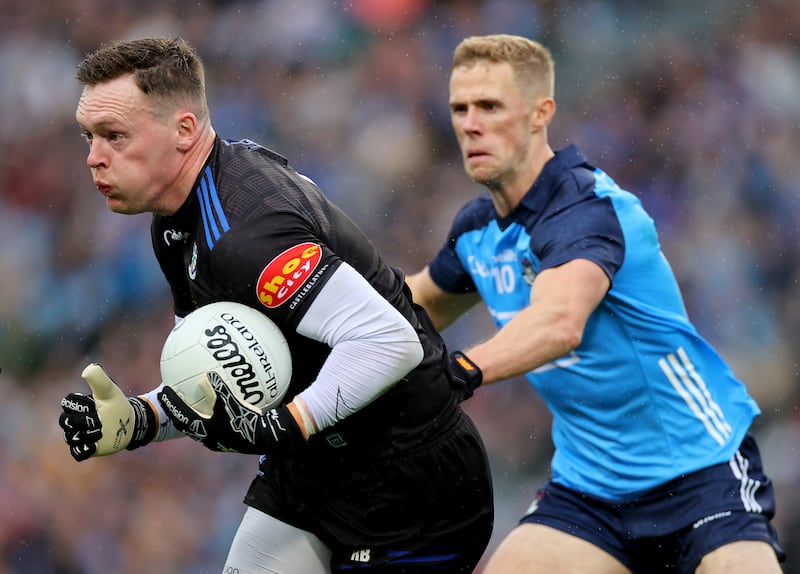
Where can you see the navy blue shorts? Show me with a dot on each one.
(672, 527)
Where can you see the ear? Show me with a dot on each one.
(187, 130)
(542, 114)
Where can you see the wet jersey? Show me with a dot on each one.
(643, 398)
(401, 473)
(256, 232)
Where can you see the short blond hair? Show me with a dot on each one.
(532, 63)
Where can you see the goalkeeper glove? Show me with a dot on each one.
(232, 427)
(465, 376)
(106, 421)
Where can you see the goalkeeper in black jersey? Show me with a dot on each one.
(369, 463)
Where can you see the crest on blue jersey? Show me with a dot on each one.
(528, 274)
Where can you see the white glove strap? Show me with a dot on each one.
(166, 430)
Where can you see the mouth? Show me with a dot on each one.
(474, 154)
(103, 188)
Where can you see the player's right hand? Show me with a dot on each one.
(231, 427)
(106, 421)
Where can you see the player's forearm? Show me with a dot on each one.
(373, 347)
(442, 307)
(550, 327)
(524, 344)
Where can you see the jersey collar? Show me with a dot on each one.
(545, 185)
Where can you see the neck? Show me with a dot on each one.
(507, 195)
(190, 167)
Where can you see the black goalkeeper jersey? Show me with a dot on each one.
(257, 232)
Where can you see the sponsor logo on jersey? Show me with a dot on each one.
(173, 235)
(287, 273)
(193, 263)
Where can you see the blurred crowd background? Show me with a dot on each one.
(694, 105)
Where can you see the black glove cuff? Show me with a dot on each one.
(144, 423)
(466, 372)
(281, 428)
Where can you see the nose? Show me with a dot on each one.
(471, 120)
(96, 157)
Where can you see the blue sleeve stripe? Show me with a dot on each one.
(214, 221)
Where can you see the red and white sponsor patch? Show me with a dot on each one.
(287, 273)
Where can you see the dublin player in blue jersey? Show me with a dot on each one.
(654, 467)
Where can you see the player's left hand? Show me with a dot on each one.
(465, 376)
(232, 427)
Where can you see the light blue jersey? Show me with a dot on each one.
(644, 398)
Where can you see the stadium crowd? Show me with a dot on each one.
(693, 105)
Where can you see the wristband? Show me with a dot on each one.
(144, 423)
(473, 374)
(465, 376)
(309, 428)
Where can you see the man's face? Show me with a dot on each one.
(492, 122)
(132, 152)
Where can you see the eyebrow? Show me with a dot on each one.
(103, 124)
(478, 102)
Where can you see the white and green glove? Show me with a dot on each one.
(106, 421)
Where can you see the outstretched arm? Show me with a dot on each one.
(562, 298)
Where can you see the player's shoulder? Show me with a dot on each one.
(248, 180)
(245, 163)
(568, 179)
(570, 172)
(476, 214)
(248, 149)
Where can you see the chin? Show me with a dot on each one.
(482, 176)
(121, 207)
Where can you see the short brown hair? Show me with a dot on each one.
(167, 69)
(532, 63)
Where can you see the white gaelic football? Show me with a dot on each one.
(243, 346)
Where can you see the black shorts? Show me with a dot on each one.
(424, 506)
(672, 527)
